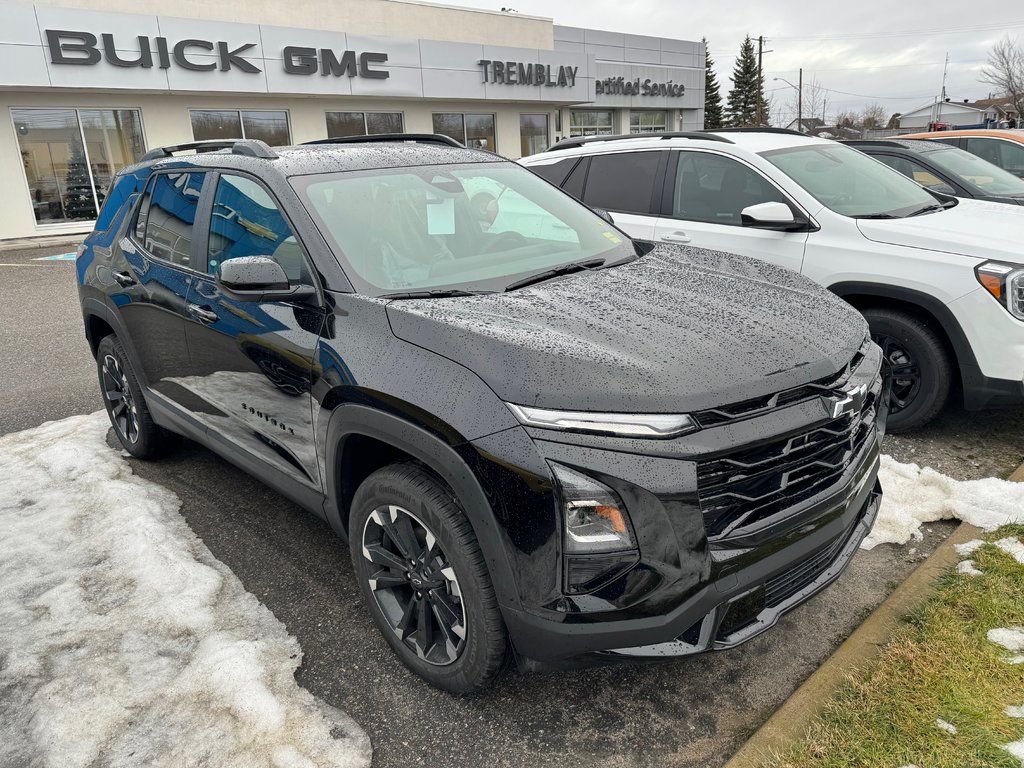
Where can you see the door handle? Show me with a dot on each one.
(676, 237)
(124, 279)
(202, 314)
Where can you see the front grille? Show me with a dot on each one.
(787, 584)
(743, 488)
(746, 409)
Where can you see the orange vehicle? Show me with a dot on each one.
(1003, 147)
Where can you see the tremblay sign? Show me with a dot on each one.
(83, 48)
(522, 73)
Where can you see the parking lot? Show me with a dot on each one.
(688, 712)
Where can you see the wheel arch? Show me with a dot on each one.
(927, 308)
(361, 439)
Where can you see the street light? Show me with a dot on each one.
(799, 98)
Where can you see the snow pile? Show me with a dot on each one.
(946, 726)
(1015, 712)
(1012, 639)
(1011, 545)
(966, 567)
(125, 642)
(913, 496)
(968, 547)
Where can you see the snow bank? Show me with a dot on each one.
(125, 642)
(913, 496)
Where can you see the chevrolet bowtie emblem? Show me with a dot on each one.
(849, 402)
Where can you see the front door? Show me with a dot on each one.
(708, 191)
(252, 361)
(152, 267)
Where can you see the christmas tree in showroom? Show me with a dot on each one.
(78, 199)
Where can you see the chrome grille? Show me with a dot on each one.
(750, 485)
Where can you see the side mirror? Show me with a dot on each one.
(777, 216)
(604, 215)
(259, 278)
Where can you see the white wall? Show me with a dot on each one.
(388, 18)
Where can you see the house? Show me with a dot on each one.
(1004, 108)
(806, 124)
(953, 114)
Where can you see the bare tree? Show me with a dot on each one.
(814, 99)
(1005, 70)
(873, 116)
(847, 119)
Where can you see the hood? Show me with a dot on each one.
(680, 329)
(975, 228)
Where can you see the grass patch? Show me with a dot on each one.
(938, 664)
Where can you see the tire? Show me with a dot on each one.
(920, 364)
(456, 596)
(129, 415)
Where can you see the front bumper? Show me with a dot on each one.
(719, 615)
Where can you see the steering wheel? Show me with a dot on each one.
(515, 240)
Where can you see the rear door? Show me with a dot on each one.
(159, 255)
(1008, 155)
(251, 362)
(704, 195)
(626, 184)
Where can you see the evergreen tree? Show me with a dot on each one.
(747, 89)
(78, 200)
(712, 94)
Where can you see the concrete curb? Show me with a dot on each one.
(791, 721)
(35, 243)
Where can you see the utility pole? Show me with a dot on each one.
(760, 55)
(800, 102)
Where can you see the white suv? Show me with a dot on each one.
(940, 280)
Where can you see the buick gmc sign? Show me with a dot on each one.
(84, 48)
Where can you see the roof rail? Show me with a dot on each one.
(579, 141)
(381, 138)
(760, 129)
(248, 147)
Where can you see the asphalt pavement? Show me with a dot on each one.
(687, 712)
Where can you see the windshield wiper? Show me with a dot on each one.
(876, 216)
(565, 269)
(437, 293)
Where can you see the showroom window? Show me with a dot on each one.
(533, 134)
(648, 122)
(340, 124)
(590, 122)
(475, 131)
(268, 126)
(71, 155)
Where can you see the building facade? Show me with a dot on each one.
(87, 86)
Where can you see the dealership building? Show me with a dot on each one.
(87, 86)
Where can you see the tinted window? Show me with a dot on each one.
(622, 181)
(916, 171)
(716, 189)
(247, 222)
(574, 184)
(555, 172)
(140, 219)
(1007, 155)
(171, 215)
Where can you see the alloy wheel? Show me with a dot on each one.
(906, 373)
(414, 584)
(118, 396)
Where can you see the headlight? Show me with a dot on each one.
(594, 517)
(646, 425)
(1006, 283)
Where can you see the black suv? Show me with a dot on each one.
(542, 439)
(942, 168)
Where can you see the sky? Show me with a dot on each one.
(863, 52)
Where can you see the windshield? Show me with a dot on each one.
(474, 227)
(992, 179)
(849, 182)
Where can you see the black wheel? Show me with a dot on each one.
(424, 580)
(127, 409)
(919, 363)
